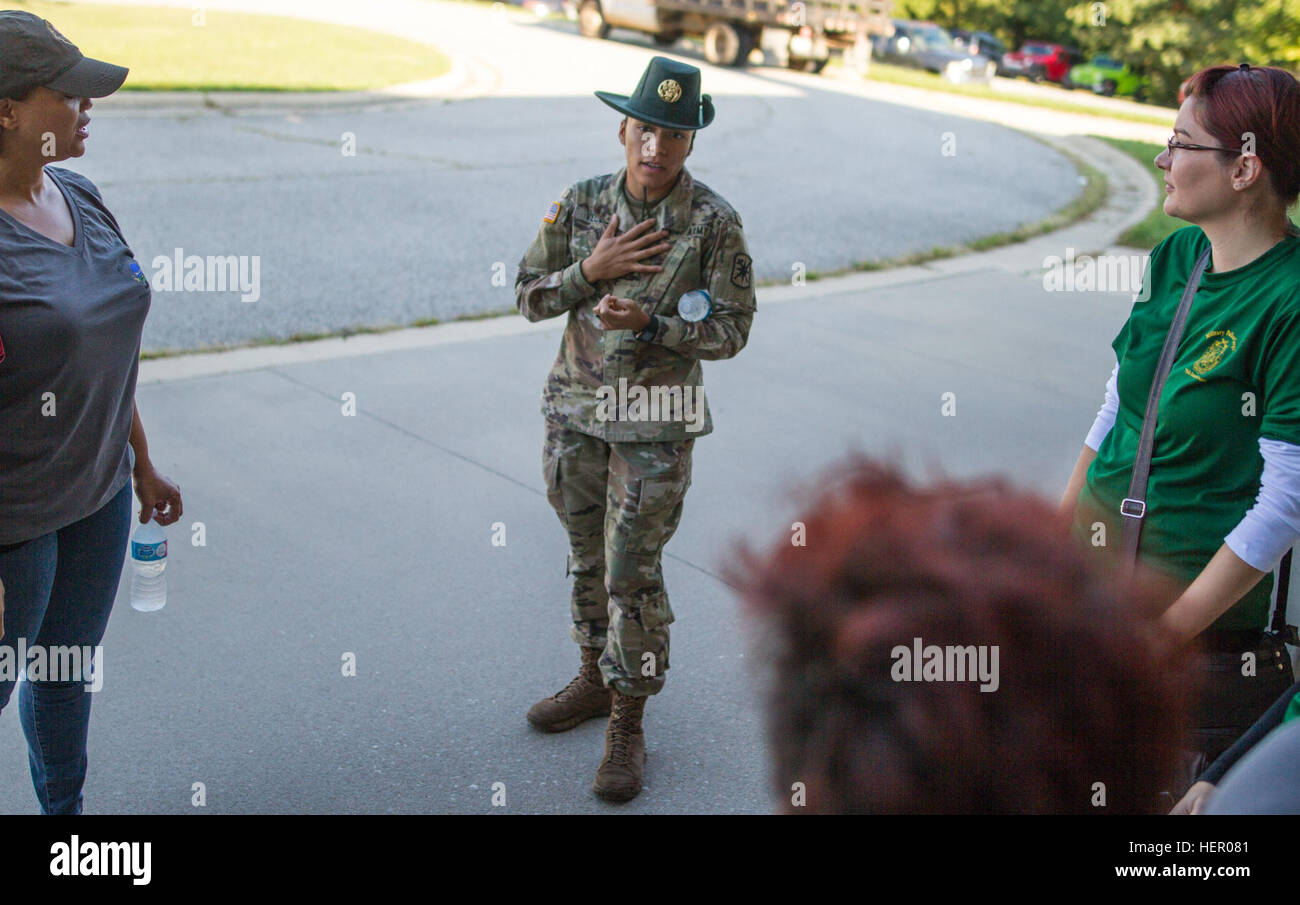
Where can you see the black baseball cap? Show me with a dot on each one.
(33, 53)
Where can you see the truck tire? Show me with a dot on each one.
(726, 45)
(591, 21)
(1108, 88)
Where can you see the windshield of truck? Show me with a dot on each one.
(934, 38)
(1037, 50)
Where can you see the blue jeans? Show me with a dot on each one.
(59, 591)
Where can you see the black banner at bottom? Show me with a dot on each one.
(140, 854)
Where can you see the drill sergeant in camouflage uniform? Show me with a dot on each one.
(624, 401)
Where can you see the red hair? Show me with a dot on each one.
(1263, 101)
(1083, 694)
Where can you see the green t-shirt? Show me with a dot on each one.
(1236, 378)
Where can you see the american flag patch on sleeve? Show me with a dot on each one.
(552, 213)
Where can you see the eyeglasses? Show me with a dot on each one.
(1174, 144)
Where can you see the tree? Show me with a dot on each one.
(1164, 40)
(1169, 41)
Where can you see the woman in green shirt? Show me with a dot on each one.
(1223, 498)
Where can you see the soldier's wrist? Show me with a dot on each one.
(650, 330)
(576, 279)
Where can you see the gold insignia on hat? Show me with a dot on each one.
(670, 91)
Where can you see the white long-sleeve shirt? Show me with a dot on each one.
(1272, 525)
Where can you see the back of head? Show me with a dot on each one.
(1048, 694)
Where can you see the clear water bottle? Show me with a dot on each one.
(149, 559)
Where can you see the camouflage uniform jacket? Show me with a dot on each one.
(708, 252)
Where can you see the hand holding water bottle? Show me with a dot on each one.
(160, 504)
(157, 494)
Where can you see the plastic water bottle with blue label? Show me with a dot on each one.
(149, 559)
(695, 305)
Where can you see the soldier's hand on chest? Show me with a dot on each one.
(621, 314)
(615, 256)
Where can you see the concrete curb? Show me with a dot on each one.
(456, 83)
(253, 358)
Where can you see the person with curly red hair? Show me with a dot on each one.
(1083, 714)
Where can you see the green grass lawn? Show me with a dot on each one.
(917, 78)
(167, 51)
(1157, 223)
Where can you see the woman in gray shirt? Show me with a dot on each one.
(73, 302)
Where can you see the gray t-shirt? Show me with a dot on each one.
(70, 324)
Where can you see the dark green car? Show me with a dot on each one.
(1108, 76)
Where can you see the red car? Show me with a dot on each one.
(1040, 61)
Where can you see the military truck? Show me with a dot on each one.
(731, 29)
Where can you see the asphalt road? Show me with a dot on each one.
(445, 192)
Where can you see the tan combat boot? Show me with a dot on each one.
(583, 698)
(621, 770)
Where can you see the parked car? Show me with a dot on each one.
(979, 43)
(1041, 61)
(924, 45)
(1108, 76)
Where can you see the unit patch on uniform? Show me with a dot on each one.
(552, 213)
(742, 272)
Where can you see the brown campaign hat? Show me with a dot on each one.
(33, 53)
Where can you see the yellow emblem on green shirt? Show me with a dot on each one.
(1222, 342)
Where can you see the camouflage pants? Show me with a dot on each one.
(619, 503)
